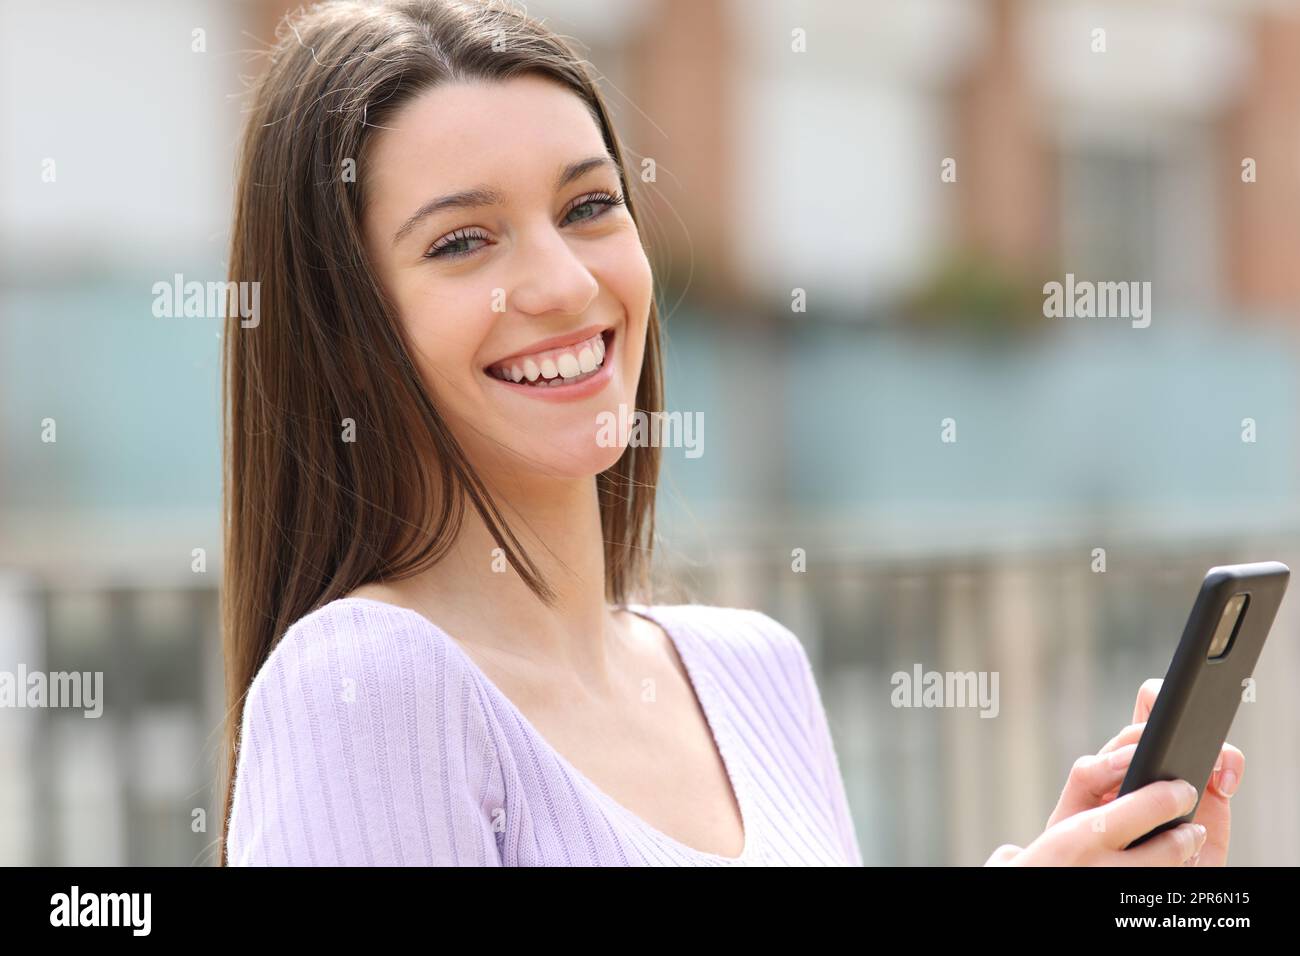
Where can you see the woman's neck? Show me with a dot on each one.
(474, 594)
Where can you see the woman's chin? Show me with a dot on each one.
(577, 460)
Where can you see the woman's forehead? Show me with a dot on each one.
(520, 122)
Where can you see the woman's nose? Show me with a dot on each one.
(551, 277)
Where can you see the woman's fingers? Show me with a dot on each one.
(1215, 814)
(1091, 779)
(1229, 770)
(1175, 847)
(1003, 855)
(1128, 735)
(1091, 802)
(1126, 818)
(1215, 811)
(1146, 699)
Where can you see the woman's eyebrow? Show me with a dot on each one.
(490, 196)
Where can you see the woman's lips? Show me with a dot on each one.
(575, 387)
(573, 356)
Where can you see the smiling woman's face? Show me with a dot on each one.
(538, 275)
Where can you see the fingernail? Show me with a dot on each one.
(1122, 757)
(1200, 836)
(1228, 782)
(1191, 795)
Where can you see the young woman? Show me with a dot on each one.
(439, 644)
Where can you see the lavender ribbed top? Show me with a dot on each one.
(369, 737)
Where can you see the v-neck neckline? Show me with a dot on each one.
(701, 685)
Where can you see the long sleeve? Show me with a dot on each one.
(363, 742)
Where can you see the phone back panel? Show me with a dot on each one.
(1199, 697)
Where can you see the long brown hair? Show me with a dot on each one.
(310, 517)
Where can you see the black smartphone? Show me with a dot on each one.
(1204, 685)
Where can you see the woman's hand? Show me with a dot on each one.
(1091, 826)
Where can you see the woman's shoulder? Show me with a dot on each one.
(733, 632)
(722, 623)
(358, 706)
(357, 646)
(358, 619)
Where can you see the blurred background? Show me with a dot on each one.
(855, 211)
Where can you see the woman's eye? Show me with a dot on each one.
(447, 248)
(452, 246)
(598, 199)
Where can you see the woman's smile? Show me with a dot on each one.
(575, 370)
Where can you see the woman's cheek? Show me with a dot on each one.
(632, 257)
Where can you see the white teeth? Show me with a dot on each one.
(558, 367)
(568, 365)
